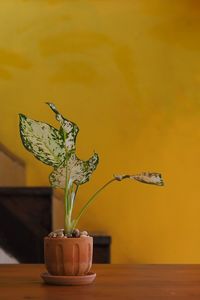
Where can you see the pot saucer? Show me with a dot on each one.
(68, 280)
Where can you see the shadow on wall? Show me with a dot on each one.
(182, 24)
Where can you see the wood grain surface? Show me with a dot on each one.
(139, 282)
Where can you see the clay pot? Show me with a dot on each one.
(68, 256)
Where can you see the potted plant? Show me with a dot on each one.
(67, 251)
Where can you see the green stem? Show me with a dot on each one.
(65, 207)
(84, 208)
(76, 190)
(67, 221)
(66, 203)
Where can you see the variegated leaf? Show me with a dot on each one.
(43, 140)
(77, 170)
(145, 177)
(150, 178)
(70, 129)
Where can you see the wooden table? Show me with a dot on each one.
(139, 282)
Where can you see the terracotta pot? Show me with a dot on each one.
(68, 256)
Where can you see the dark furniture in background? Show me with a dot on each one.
(26, 217)
(102, 247)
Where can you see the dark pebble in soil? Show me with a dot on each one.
(76, 233)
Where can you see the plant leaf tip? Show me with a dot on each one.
(50, 103)
(21, 116)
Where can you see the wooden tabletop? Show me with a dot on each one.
(139, 282)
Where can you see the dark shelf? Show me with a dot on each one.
(26, 217)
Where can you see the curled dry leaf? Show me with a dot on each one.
(145, 177)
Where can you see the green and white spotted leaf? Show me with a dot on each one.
(70, 129)
(145, 177)
(150, 178)
(43, 140)
(78, 171)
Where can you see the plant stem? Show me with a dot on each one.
(67, 220)
(76, 190)
(66, 203)
(84, 208)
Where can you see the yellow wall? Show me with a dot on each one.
(128, 73)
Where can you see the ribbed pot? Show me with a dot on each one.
(68, 256)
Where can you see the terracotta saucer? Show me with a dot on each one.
(68, 280)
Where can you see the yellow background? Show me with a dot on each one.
(128, 73)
